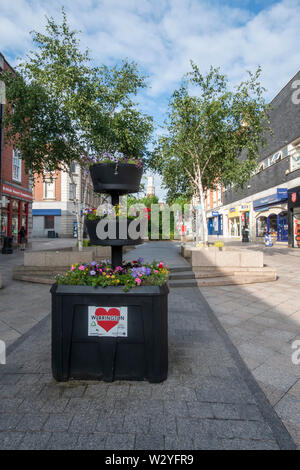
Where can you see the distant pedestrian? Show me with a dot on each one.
(22, 235)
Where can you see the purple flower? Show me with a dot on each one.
(140, 260)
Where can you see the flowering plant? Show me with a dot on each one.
(116, 211)
(102, 274)
(116, 157)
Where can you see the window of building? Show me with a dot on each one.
(72, 191)
(73, 167)
(295, 162)
(261, 226)
(214, 197)
(17, 166)
(49, 222)
(49, 190)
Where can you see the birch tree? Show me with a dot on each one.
(63, 110)
(212, 135)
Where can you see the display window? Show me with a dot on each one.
(234, 227)
(296, 229)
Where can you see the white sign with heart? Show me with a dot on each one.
(107, 321)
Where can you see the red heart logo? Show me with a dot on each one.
(106, 323)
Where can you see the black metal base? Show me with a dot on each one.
(142, 354)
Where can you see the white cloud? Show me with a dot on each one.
(163, 35)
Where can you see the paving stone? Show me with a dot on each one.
(165, 425)
(62, 441)
(55, 406)
(150, 442)
(244, 444)
(74, 391)
(10, 440)
(92, 441)
(58, 422)
(79, 405)
(289, 408)
(35, 441)
(9, 404)
(32, 422)
(120, 442)
(204, 404)
(8, 421)
(239, 412)
(136, 424)
(84, 423)
(110, 424)
(174, 443)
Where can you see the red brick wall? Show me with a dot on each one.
(7, 156)
(38, 190)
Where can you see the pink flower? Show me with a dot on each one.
(81, 268)
(138, 280)
(155, 271)
(72, 268)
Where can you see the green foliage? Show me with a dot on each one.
(61, 108)
(207, 133)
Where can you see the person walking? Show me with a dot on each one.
(22, 235)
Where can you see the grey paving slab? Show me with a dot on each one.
(209, 400)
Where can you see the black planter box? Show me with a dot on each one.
(137, 351)
(121, 178)
(91, 226)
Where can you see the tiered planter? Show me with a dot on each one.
(106, 333)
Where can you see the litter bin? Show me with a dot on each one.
(245, 235)
(7, 246)
(51, 234)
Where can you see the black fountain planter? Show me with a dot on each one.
(106, 333)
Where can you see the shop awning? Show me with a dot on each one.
(46, 212)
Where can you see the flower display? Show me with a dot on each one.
(102, 274)
(113, 212)
(116, 157)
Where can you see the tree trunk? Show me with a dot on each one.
(202, 202)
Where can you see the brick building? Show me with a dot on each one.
(15, 185)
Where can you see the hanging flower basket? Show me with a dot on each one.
(121, 230)
(117, 177)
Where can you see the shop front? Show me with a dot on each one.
(294, 217)
(14, 212)
(239, 220)
(215, 223)
(271, 216)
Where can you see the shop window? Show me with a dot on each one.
(49, 190)
(273, 225)
(17, 166)
(261, 226)
(49, 222)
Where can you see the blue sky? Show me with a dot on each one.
(162, 36)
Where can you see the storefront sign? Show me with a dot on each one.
(244, 207)
(215, 213)
(233, 212)
(16, 192)
(107, 321)
(280, 195)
